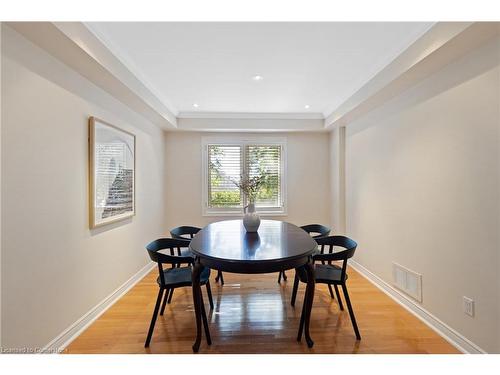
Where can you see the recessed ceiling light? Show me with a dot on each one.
(196, 105)
(307, 106)
(257, 78)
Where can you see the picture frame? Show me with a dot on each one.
(111, 173)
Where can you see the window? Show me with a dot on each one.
(225, 161)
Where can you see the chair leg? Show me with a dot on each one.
(205, 321)
(351, 312)
(219, 277)
(331, 291)
(341, 306)
(294, 290)
(280, 275)
(153, 319)
(170, 296)
(167, 291)
(209, 293)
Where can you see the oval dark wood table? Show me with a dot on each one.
(277, 246)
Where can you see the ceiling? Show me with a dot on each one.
(212, 64)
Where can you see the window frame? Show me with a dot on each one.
(243, 141)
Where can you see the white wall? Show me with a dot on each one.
(54, 269)
(422, 189)
(307, 178)
(337, 179)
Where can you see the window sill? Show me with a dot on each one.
(214, 213)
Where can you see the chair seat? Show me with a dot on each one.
(178, 277)
(328, 273)
(185, 252)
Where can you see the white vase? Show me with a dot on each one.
(251, 220)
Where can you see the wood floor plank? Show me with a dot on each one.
(253, 315)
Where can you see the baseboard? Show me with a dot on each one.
(71, 333)
(449, 334)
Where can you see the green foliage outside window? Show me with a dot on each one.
(225, 199)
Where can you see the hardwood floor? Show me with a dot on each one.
(253, 315)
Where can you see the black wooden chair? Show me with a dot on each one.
(188, 232)
(316, 231)
(331, 274)
(174, 277)
(184, 232)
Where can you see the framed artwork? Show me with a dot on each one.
(111, 172)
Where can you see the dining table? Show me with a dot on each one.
(276, 246)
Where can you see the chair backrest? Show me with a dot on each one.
(321, 230)
(329, 243)
(173, 245)
(184, 232)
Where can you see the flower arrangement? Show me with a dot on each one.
(250, 186)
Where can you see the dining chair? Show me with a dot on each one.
(316, 231)
(188, 232)
(174, 277)
(332, 274)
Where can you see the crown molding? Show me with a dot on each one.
(85, 50)
(391, 54)
(77, 47)
(439, 46)
(251, 115)
(127, 61)
(251, 124)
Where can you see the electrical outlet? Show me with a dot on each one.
(468, 306)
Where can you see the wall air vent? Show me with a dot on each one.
(407, 281)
